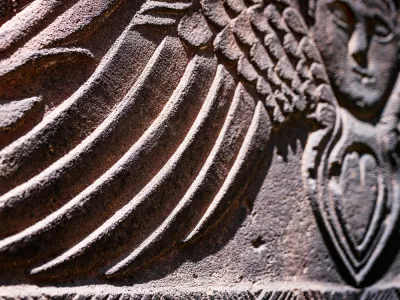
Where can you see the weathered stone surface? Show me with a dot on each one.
(239, 149)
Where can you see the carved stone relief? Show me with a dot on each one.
(223, 149)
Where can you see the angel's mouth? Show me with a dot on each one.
(363, 75)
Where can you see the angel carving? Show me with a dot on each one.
(152, 137)
(351, 165)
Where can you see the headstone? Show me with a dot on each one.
(199, 149)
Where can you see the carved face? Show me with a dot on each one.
(359, 44)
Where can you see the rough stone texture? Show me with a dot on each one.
(206, 149)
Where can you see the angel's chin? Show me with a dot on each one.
(361, 97)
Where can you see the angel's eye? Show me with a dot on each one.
(381, 29)
(342, 13)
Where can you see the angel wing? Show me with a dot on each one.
(153, 149)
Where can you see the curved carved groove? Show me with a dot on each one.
(157, 7)
(16, 118)
(76, 23)
(361, 248)
(119, 184)
(34, 62)
(22, 26)
(88, 161)
(253, 145)
(54, 137)
(338, 181)
(27, 71)
(9, 8)
(359, 261)
(170, 178)
(201, 191)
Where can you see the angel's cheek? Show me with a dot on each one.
(384, 64)
(333, 45)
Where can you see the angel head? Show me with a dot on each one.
(359, 43)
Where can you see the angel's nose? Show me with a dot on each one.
(358, 46)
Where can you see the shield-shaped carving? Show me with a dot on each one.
(353, 185)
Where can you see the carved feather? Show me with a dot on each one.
(163, 137)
